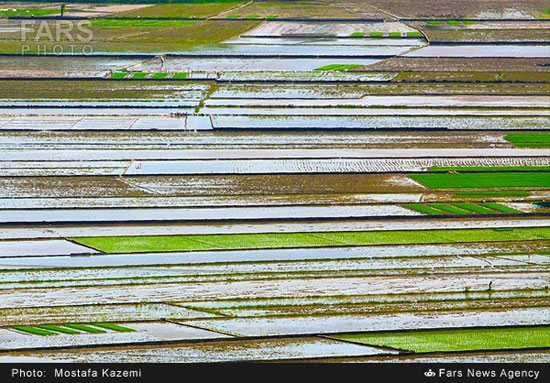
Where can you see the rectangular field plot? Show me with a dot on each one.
(247, 350)
(529, 140)
(74, 334)
(398, 321)
(457, 340)
(297, 240)
(484, 180)
(96, 313)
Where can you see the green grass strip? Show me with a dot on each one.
(474, 208)
(434, 22)
(529, 140)
(491, 193)
(334, 67)
(376, 35)
(499, 207)
(114, 327)
(179, 76)
(357, 34)
(139, 75)
(483, 180)
(159, 76)
(118, 75)
(457, 340)
(85, 328)
(453, 22)
(414, 34)
(422, 208)
(394, 35)
(55, 328)
(449, 209)
(34, 330)
(133, 244)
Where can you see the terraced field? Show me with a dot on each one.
(275, 181)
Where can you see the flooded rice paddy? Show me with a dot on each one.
(284, 129)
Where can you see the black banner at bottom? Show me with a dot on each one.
(401, 372)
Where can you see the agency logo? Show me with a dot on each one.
(429, 373)
(56, 37)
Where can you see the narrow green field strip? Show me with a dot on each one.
(462, 169)
(457, 340)
(298, 240)
(34, 330)
(159, 76)
(119, 75)
(422, 208)
(85, 328)
(499, 207)
(491, 193)
(450, 209)
(474, 208)
(59, 329)
(529, 140)
(337, 67)
(483, 180)
(113, 327)
(461, 208)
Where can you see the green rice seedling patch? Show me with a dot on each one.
(85, 328)
(482, 180)
(453, 22)
(233, 17)
(118, 75)
(159, 76)
(491, 193)
(252, 17)
(414, 34)
(434, 22)
(473, 208)
(139, 75)
(258, 241)
(529, 140)
(114, 327)
(271, 17)
(468, 22)
(293, 240)
(34, 330)
(357, 34)
(145, 243)
(457, 340)
(60, 329)
(338, 67)
(499, 207)
(394, 35)
(179, 76)
(422, 208)
(376, 35)
(449, 208)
